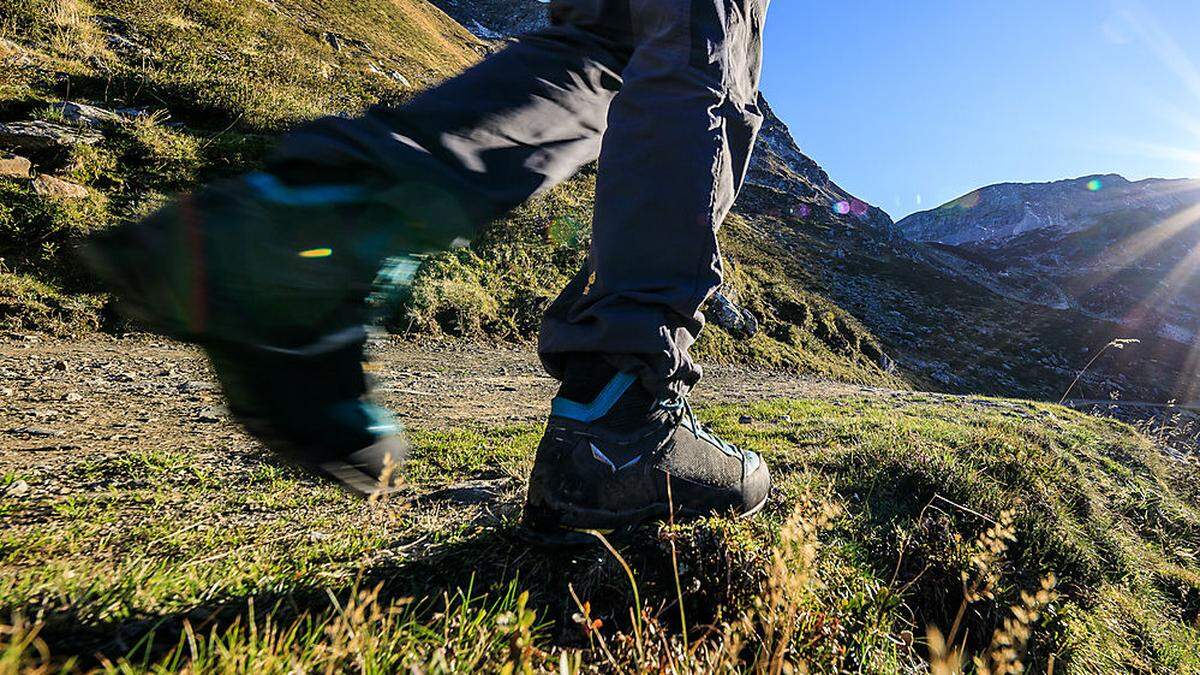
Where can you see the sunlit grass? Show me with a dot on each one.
(879, 507)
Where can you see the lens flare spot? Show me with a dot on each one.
(316, 253)
(842, 208)
(1095, 185)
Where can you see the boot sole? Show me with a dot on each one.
(355, 481)
(568, 538)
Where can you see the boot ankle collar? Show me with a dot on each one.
(603, 403)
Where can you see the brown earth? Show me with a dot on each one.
(103, 396)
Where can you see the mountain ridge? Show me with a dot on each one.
(1003, 210)
(1127, 256)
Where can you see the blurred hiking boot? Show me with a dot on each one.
(272, 282)
(625, 458)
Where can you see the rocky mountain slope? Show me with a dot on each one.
(1102, 246)
(1000, 212)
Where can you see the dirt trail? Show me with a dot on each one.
(104, 396)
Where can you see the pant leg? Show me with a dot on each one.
(399, 182)
(673, 159)
(473, 148)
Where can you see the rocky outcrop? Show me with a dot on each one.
(35, 137)
(496, 19)
(57, 188)
(723, 311)
(778, 164)
(87, 115)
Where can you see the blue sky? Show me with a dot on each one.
(909, 104)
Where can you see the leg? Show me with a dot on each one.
(675, 155)
(676, 152)
(270, 271)
(473, 148)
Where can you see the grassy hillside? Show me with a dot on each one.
(1067, 537)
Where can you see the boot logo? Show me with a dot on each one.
(599, 456)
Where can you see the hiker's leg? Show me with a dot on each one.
(674, 157)
(471, 149)
(270, 272)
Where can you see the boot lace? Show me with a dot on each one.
(683, 407)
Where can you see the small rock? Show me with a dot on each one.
(14, 166)
(17, 489)
(72, 397)
(87, 115)
(38, 432)
(724, 312)
(49, 186)
(400, 78)
(745, 419)
(209, 415)
(39, 136)
(7, 391)
(61, 365)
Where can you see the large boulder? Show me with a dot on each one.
(37, 136)
(14, 166)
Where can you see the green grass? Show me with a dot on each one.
(264, 65)
(29, 304)
(158, 560)
(218, 81)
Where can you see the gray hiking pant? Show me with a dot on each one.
(663, 92)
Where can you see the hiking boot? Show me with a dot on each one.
(271, 281)
(625, 458)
